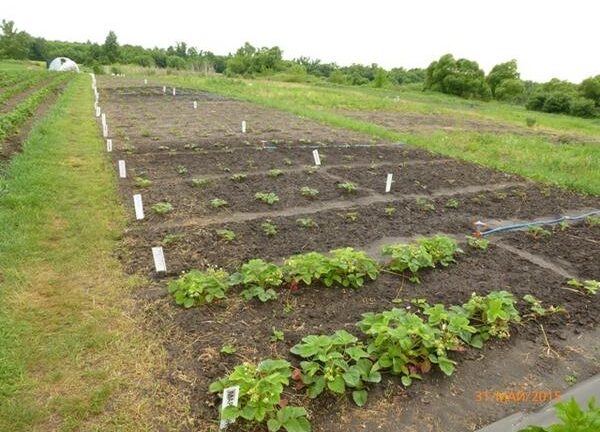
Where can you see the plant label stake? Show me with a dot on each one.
(98, 111)
(109, 145)
(478, 226)
(164, 89)
(316, 157)
(244, 126)
(105, 131)
(159, 259)
(195, 105)
(139, 206)
(174, 91)
(388, 183)
(145, 81)
(230, 398)
(122, 169)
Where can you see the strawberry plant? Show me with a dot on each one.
(589, 287)
(181, 170)
(538, 310)
(277, 336)
(424, 204)
(196, 288)
(349, 268)
(162, 208)
(477, 242)
(217, 203)
(142, 182)
(261, 387)
(538, 232)
(389, 211)
(306, 222)
(238, 177)
(493, 313)
(267, 197)
(170, 239)
(441, 248)
(258, 278)
(592, 221)
(351, 216)
(348, 186)
(334, 363)
(411, 257)
(306, 268)
(572, 418)
(309, 192)
(269, 228)
(226, 234)
(451, 203)
(275, 172)
(228, 349)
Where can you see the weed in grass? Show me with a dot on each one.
(424, 204)
(142, 182)
(200, 182)
(477, 242)
(275, 172)
(162, 208)
(451, 203)
(226, 235)
(238, 177)
(269, 228)
(309, 192)
(538, 232)
(306, 222)
(348, 186)
(267, 197)
(217, 203)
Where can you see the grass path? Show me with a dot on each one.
(73, 356)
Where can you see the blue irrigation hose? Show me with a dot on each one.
(515, 227)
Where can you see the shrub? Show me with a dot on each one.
(197, 288)
(558, 103)
(582, 107)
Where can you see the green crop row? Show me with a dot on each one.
(12, 78)
(9, 122)
(21, 87)
(345, 267)
(399, 342)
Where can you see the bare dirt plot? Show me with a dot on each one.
(422, 206)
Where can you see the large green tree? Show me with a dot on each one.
(590, 88)
(14, 44)
(111, 49)
(502, 72)
(460, 77)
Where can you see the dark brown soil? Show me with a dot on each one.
(430, 195)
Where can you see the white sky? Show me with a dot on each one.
(548, 38)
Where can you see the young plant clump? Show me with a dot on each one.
(162, 208)
(238, 177)
(142, 182)
(348, 186)
(309, 192)
(477, 242)
(267, 197)
(226, 234)
(269, 228)
(200, 182)
(275, 172)
(258, 278)
(217, 203)
(306, 222)
(197, 288)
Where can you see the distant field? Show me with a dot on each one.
(557, 149)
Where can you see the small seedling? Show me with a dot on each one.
(348, 186)
(226, 234)
(277, 335)
(309, 192)
(238, 177)
(142, 182)
(500, 196)
(200, 182)
(592, 221)
(170, 239)
(275, 172)
(269, 228)
(267, 197)
(452, 203)
(389, 211)
(228, 349)
(478, 243)
(162, 208)
(589, 286)
(287, 161)
(424, 204)
(571, 379)
(306, 222)
(351, 216)
(181, 170)
(538, 310)
(538, 232)
(217, 202)
(563, 226)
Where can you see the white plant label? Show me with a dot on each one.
(195, 105)
(316, 157)
(122, 169)
(164, 89)
(388, 183)
(98, 111)
(145, 81)
(105, 131)
(159, 259)
(139, 206)
(230, 398)
(244, 126)
(109, 145)
(103, 119)
(174, 91)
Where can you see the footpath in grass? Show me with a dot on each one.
(573, 166)
(73, 355)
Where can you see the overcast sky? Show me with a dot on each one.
(548, 38)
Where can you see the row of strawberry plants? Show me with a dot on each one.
(9, 122)
(21, 87)
(345, 267)
(10, 78)
(397, 341)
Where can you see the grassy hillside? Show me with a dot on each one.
(532, 152)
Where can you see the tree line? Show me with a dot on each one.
(460, 77)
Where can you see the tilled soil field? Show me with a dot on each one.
(188, 157)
